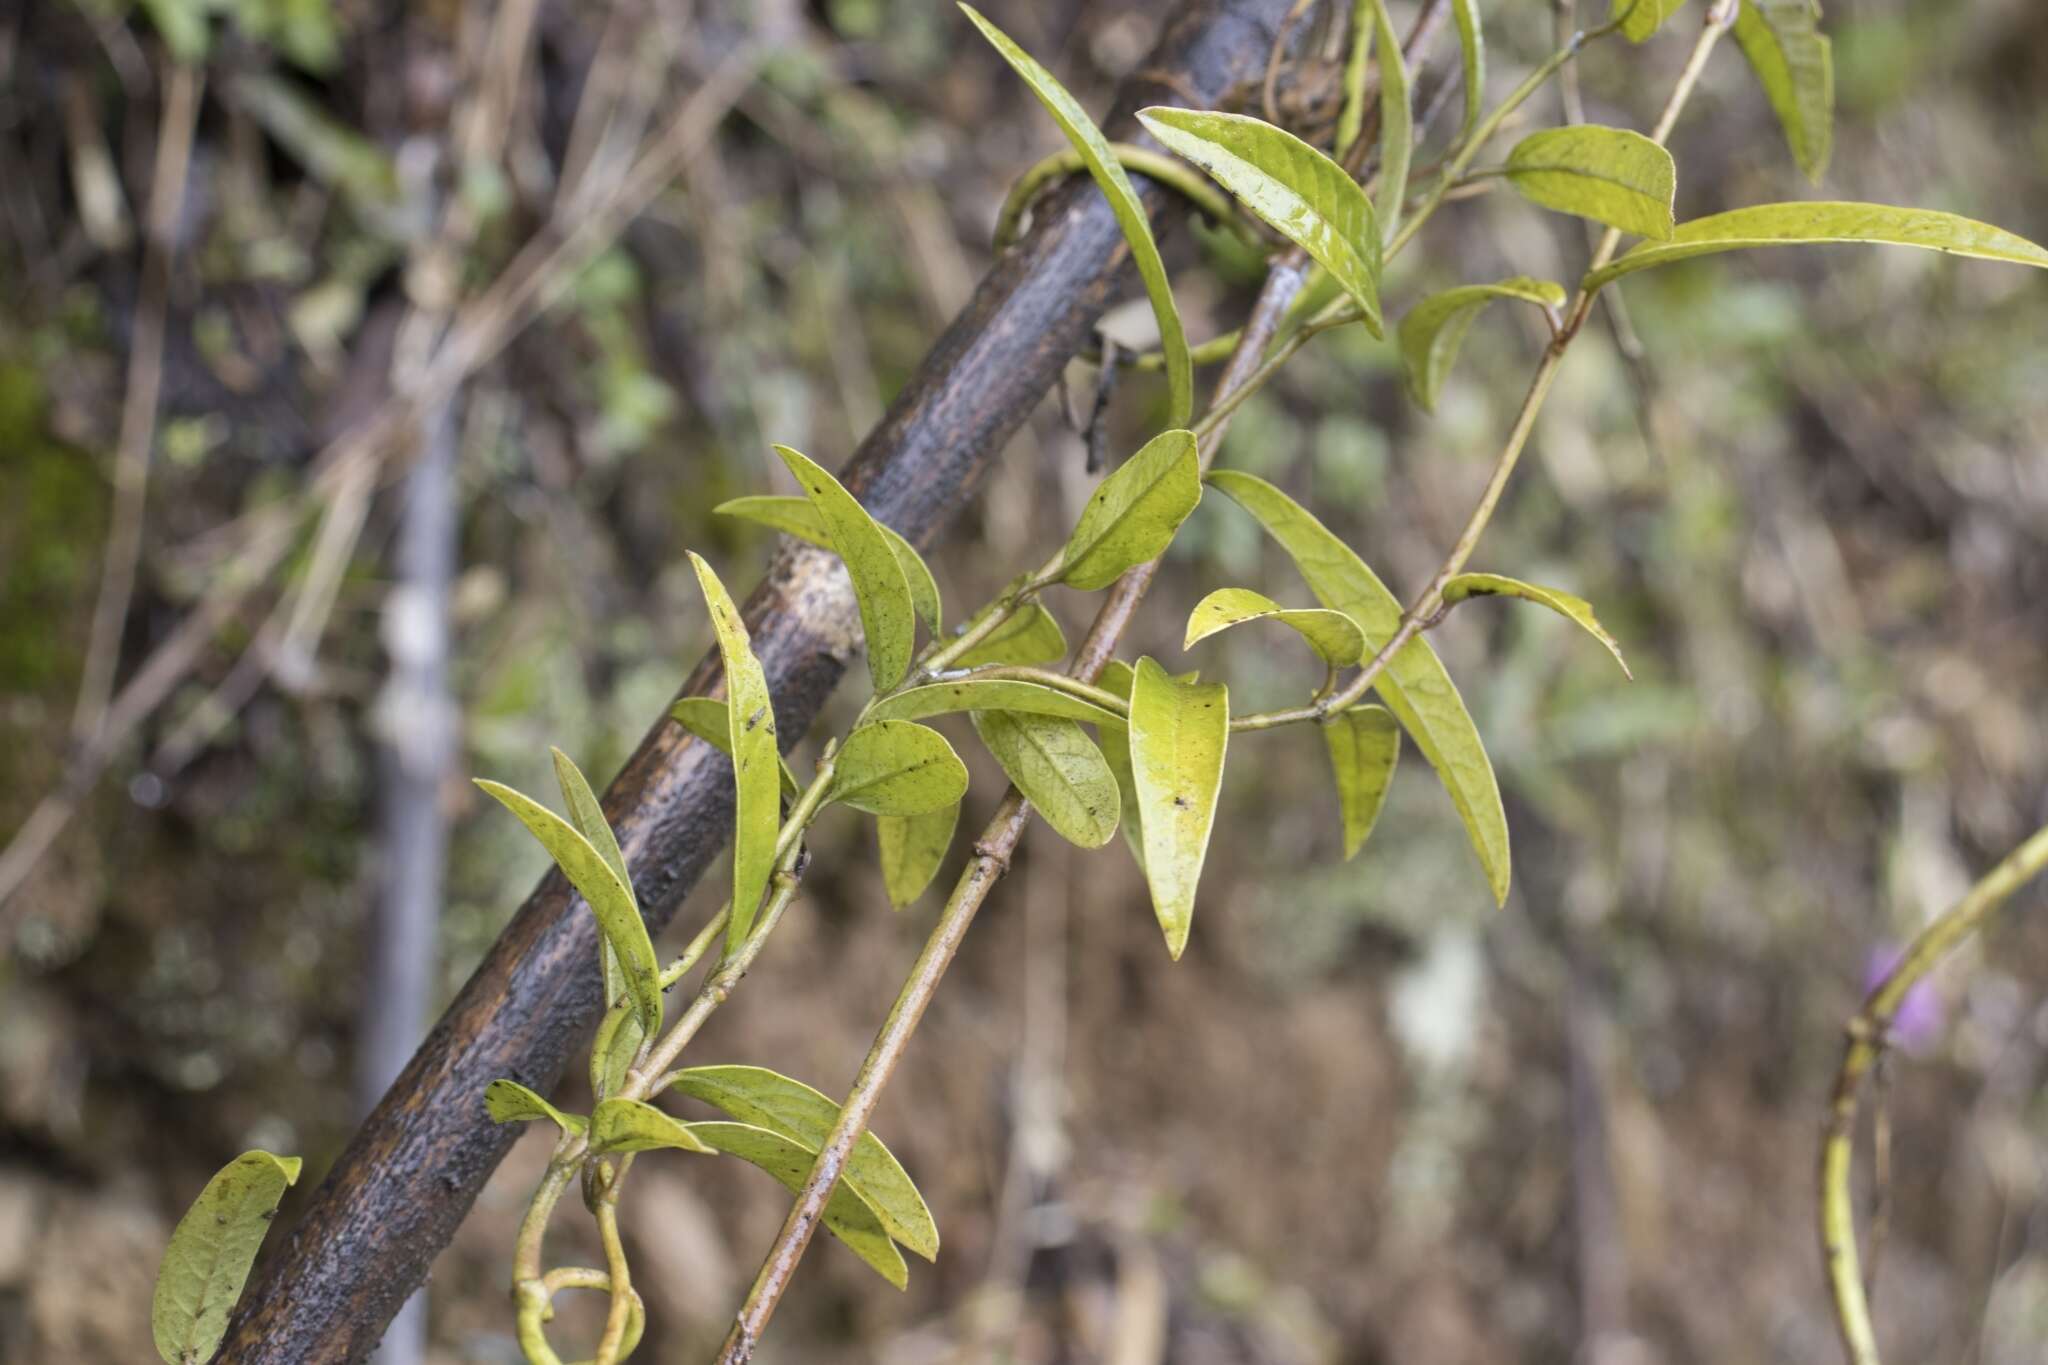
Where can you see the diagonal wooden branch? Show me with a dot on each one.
(408, 1177)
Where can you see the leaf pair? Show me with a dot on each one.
(587, 852)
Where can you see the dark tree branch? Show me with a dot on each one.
(409, 1176)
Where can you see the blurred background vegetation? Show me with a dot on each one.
(1367, 1118)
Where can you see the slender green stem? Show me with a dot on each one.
(1861, 1052)
(611, 1347)
(1170, 171)
(1052, 678)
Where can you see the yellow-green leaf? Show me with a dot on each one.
(1472, 57)
(1795, 63)
(1059, 769)
(1397, 123)
(1178, 734)
(586, 814)
(1572, 608)
(511, 1102)
(1102, 164)
(1612, 175)
(610, 899)
(768, 1099)
(1806, 222)
(894, 767)
(1414, 684)
(1641, 18)
(211, 1250)
(1132, 515)
(756, 761)
(1332, 634)
(991, 694)
(847, 1216)
(635, 1126)
(912, 848)
(615, 1048)
(1117, 678)
(1030, 636)
(887, 616)
(1364, 744)
(1351, 115)
(1299, 192)
(797, 517)
(708, 719)
(1435, 328)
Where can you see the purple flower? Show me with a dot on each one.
(1918, 1023)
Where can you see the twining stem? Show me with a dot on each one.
(1864, 1048)
(612, 1345)
(1170, 171)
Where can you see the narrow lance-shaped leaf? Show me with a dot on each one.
(1299, 192)
(887, 617)
(1414, 684)
(708, 719)
(511, 1102)
(847, 1216)
(1397, 123)
(1117, 678)
(1808, 222)
(1576, 609)
(991, 694)
(1472, 58)
(1612, 175)
(1102, 164)
(211, 1250)
(1059, 769)
(1178, 734)
(912, 847)
(756, 762)
(610, 899)
(1643, 17)
(586, 814)
(1435, 328)
(797, 517)
(781, 1104)
(895, 767)
(1351, 115)
(1132, 515)
(1364, 744)
(1795, 64)
(1031, 636)
(1332, 634)
(635, 1126)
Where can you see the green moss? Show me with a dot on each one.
(51, 527)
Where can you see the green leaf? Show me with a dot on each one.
(1332, 634)
(1472, 56)
(1796, 65)
(1643, 17)
(211, 1250)
(847, 1216)
(1178, 734)
(893, 767)
(887, 616)
(768, 1099)
(912, 848)
(1102, 164)
(511, 1102)
(1414, 684)
(610, 899)
(1397, 123)
(1351, 116)
(1435, 328)
(708, 719)
(1031, 636)
(991, 694)
(1612, 175)
(797, 517)
(1059, 769)
(586, 814)
(1806, 222)
(1117, 677)
(1364, 744)
(756, 761)
(635, 1126)
(613, 1052)
(1564, 604)
(1299, 192)
(1132, 515)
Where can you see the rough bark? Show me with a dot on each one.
(409, 1176)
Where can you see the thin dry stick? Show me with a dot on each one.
(1865, 1045)
(138, 409)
